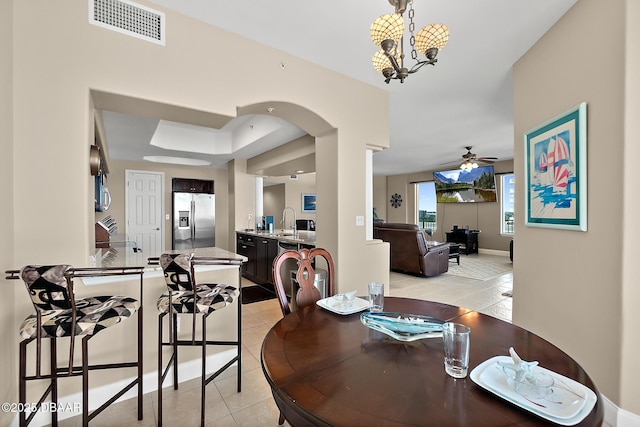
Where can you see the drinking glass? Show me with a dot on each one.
(456, 349)
(376, 296)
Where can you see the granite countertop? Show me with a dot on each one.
(127, 257)
(302, 237)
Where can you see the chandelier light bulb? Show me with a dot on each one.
(474, 165)
(381, 61)
(432, 36)
(387, 27)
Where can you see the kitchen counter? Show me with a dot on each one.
(287, 236)
(128, 257)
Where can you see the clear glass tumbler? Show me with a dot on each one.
(376, 296)
(456, 349)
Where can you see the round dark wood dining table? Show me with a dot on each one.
(330, 369)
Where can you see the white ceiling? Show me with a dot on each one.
(465, 100)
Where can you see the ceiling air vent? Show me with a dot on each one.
(128, 18)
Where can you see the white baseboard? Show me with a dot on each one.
(617, 417)
(493, 252)
(98, 395)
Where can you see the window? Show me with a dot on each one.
(506, 203)
(427, 206)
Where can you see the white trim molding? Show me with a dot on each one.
(617, 417)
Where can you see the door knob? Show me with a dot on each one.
(157, 228)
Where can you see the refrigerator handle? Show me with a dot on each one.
(193, 220)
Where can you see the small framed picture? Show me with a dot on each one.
(308, 203)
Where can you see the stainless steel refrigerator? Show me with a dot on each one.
(194, 220)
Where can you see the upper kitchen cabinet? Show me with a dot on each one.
(185, 185)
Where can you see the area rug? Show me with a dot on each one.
(251, 294)
(483, 268)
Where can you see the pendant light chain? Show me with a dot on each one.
(412, 27)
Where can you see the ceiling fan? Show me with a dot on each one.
(470, 160)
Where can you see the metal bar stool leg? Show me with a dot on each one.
(174, 339)
(140, 367)
(54, 379)
(203, 380)
(160, 370)
(85, 381)
(239, 336)
(22, 386)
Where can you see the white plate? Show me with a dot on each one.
(331, 304)
(568, 404)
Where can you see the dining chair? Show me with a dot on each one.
(185, 296)
(307, 293)
(60, 314)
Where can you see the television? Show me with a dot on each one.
(465, 186)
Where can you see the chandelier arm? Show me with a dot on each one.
(421, 64)
(393, 61)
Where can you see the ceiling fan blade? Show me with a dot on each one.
(486, 158)
(453, 162)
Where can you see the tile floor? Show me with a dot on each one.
(254, 406)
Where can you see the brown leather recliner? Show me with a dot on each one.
(410, 252)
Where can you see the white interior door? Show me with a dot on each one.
(144, 202)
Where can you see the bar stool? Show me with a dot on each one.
(187, 297)
(60, 314)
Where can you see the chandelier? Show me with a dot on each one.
(387, 32)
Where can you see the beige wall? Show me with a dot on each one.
(573, 293)
(177, 74)
(630, 297)
(479, 216)
(8, 333)
(288, 193)
(274, 201)
(58, 59)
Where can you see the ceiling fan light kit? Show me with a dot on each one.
(470, 160)
(387, 32)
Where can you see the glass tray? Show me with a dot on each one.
(403, 326)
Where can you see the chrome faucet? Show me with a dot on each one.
(284, 224)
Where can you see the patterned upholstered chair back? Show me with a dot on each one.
(177, 271)
(48, 287)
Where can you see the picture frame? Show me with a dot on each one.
(308, 203)
(555, 155)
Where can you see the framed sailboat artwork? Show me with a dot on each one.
(555, 155)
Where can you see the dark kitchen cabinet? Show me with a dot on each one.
(246, 247)
(260, 252)
(186, 185)
(266, 252)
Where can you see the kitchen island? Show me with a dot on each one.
(261, 247)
